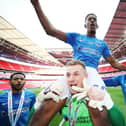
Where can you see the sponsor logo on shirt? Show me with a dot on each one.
(89, 50)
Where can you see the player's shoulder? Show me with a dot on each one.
(74, 34)
(29, 93)
(121, 77)
(102, 42)
(3, 96)
(4, 93)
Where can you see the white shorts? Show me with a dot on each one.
(94, 79)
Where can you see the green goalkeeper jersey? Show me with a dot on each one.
(76, 112)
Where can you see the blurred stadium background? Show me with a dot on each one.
(43, 66)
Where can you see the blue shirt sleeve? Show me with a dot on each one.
(110, 82)
(32, 96)
(122, 80)
(117, 81)
(106, 51)
(71, 38)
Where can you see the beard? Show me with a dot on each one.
(17, 87)
(92, 32)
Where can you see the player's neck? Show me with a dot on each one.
(16, 91)
(91, 34)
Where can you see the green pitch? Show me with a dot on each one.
(116, 94)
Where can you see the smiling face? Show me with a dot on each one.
(17, 82)
(75, 75)
(91, 24)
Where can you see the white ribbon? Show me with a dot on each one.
(10, 108)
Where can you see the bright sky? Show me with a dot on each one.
(65, 15)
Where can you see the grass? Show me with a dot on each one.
(116, 94)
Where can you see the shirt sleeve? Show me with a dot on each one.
(71, 38)
(111, 82)
(33, 99)
(106, 51)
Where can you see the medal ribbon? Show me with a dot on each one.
(72, 120)
(10, 108)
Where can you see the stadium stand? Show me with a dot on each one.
(19, 53)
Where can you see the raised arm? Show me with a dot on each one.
(115, 64)
(46, 112)
(48, 27)
(99, 118)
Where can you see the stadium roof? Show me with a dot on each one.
(116, 35)
(12, 35)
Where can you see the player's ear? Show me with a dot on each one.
(86, 75)
(97, 26)
(84, 80)
(85, 25)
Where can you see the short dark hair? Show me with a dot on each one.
(75, 62)
(89, 15)
(15, 74)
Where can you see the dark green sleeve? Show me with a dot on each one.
(31, 113)
(116, 116)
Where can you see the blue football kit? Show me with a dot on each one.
(29, 100)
